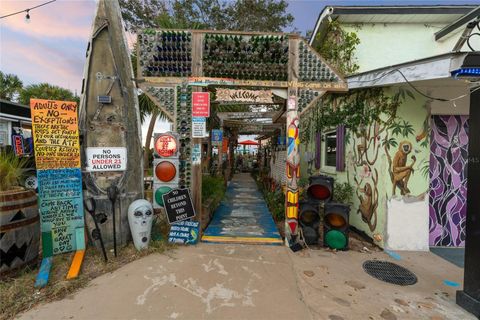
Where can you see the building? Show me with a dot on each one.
(16, 127)
(408, 166)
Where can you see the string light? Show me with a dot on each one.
(27, 16)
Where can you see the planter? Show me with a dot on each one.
(19, 229)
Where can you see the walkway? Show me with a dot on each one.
(243, 217)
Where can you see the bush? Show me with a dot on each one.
(212, 188)
(343, 193)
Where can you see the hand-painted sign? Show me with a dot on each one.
(17, 142)
(55, 132)
(197, 154)
(106, 159)
(185, 232)
(200, 104)
(199, 127)
(178, 205)
(217, 136)
(241, 95)
(57, 155)
(60, 204)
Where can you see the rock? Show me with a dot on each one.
(355, 284)
(388, 315)
(309, 273)
(401, 302)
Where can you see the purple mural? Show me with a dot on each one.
(448, 180)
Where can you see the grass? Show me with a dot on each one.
(18, 294)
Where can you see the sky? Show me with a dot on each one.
(51, 47)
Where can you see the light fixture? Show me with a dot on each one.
(27, 16)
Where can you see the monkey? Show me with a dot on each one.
(400, 171)
(366, 203)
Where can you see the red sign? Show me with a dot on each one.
(200, 104)
(166, 145)
(18, 145)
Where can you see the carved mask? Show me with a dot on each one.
(140, 216)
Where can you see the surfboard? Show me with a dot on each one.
(109, 118)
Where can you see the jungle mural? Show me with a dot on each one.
(386, 152)
(448, 180)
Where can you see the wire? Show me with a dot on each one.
(415, 88)
(28, 9)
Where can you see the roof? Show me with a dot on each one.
(391, 14)
(437, 68)
(14, 111)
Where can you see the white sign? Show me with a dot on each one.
(106, 159)
(199, 127)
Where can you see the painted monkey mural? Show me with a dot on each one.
(400, 172)
(368, 197)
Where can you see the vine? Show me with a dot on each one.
(338, 48)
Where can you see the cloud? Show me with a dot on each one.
(60, 19)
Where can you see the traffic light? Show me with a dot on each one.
(320, 189)
(309, 221)
(335, 225)
(166, 171)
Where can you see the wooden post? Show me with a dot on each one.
(293, 141)
(196, 189)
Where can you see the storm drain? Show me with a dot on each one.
(389, 272)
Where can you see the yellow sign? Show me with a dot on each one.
(55, 134)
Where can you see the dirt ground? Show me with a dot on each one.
(215, 281)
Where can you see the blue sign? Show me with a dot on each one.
(281, 141)
(184, 232)
(217, 136)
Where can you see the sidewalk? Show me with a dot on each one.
(211, 281)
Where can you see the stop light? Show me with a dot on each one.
(335, 225)
(309, 221)
(320, 188)
(166, 171)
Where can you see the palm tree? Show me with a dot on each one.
(10, 85)
(46, 91)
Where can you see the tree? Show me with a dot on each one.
(46, 91)
(140, 14)
(243, 15)
(10, 85)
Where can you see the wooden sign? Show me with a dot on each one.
(200, 104)
(57, 155)
(184, 232)
(241, 95)
(178, 205)
(55, 133)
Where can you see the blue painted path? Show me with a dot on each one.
(243, 216)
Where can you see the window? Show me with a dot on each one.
(330, 150)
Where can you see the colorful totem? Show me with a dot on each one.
(293, 167)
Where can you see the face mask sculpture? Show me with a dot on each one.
(140, 215)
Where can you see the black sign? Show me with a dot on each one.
(178, 205)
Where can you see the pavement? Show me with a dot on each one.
(243, 216)
(238, 281)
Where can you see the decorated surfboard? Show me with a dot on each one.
(110, 129)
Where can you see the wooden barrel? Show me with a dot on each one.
(19, 229)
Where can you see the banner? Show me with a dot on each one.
(57, 155)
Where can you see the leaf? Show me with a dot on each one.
(410, 94)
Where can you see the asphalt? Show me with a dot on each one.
(225, 281)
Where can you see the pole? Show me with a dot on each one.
(469, 297)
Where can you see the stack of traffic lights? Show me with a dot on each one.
(245, 57)
(319, 190)
(165, 53)
(336, 215)
(165, 166)
(311, 67)
(184, 129)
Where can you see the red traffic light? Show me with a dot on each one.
(166, 145)
(165, 171)
(320, 188)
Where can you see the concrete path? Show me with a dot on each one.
(243, 216)
(213, 281)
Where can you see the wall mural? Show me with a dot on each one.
(448, 180)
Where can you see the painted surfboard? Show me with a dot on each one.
(109, 119)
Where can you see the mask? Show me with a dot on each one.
(140, 215)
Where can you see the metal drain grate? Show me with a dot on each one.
(389, 272)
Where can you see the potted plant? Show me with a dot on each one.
(19, 219)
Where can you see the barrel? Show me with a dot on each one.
(19, 229)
